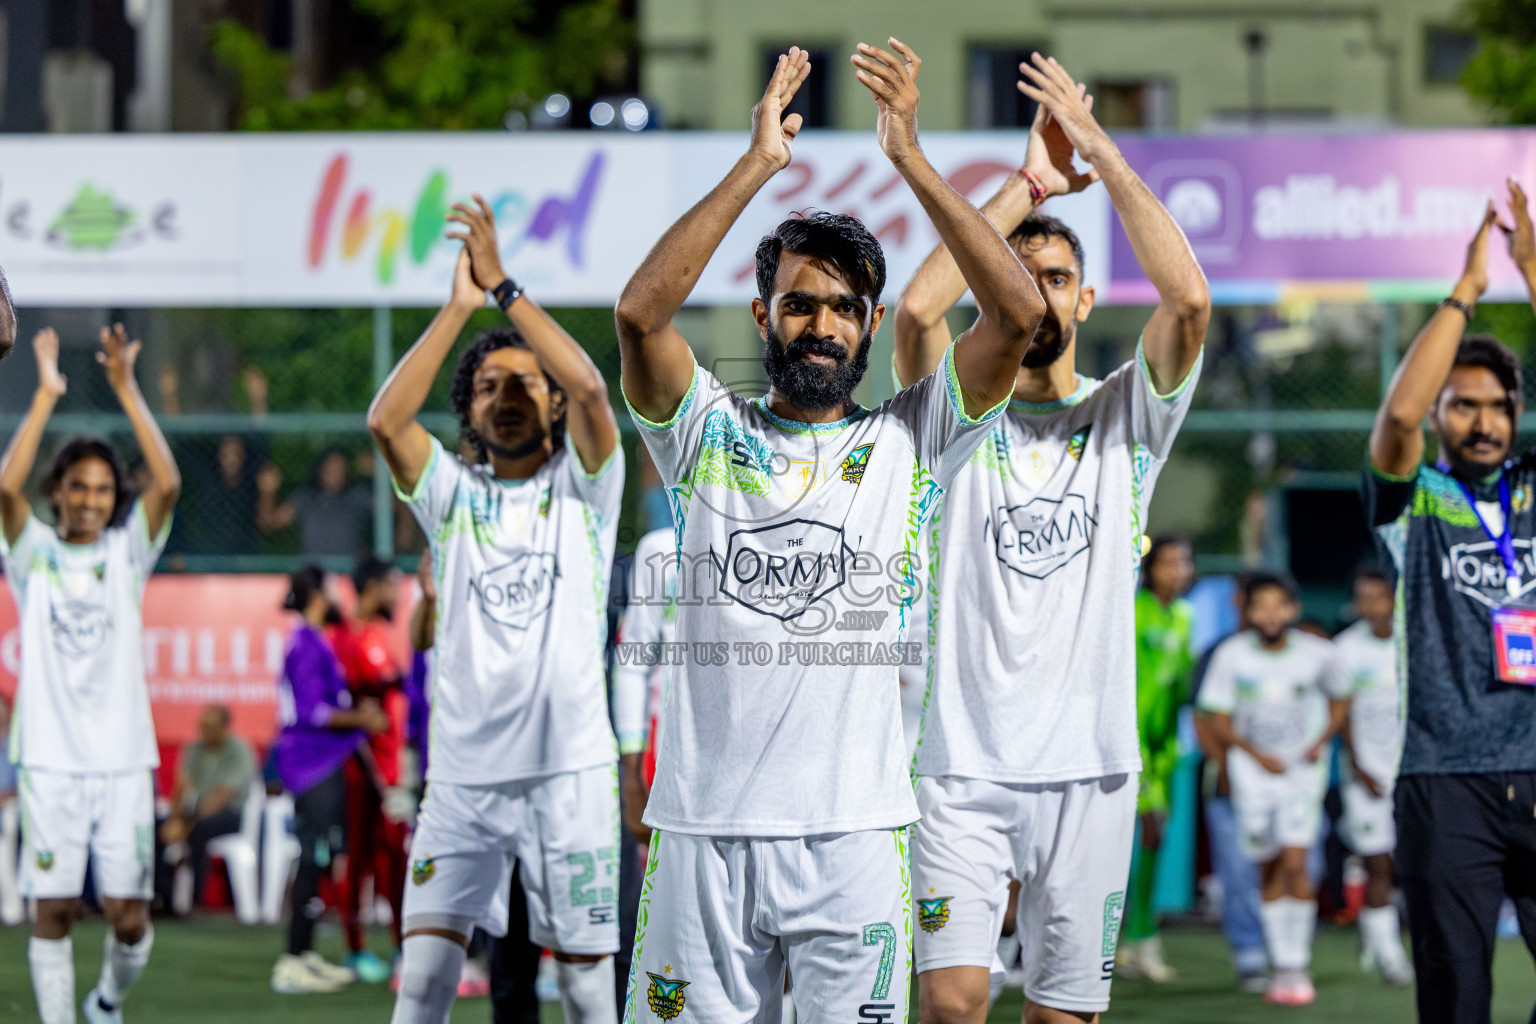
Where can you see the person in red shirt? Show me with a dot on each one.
(376, 825)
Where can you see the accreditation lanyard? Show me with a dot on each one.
(1514, 628)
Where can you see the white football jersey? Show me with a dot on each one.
(1032, 586)
(517, 685)
(82, 703)
(1278, 700)
(799, 547)
(1368, 670)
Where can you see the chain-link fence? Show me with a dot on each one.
(265, 412)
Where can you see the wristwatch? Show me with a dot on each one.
(1455, 303)
(506, 293)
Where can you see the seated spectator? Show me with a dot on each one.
(333, 517)
(213, 780)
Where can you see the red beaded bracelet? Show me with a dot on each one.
(1038, 193)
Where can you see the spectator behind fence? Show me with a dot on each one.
(219, 516)
(333, 518)
(213, 780)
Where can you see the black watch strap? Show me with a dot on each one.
(506, 293)
(1454, 303)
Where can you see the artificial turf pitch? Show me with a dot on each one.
(214, 970)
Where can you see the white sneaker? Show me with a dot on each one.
(291, 976)
(325, 969)
(1397, 972)
(94, 1014)
(1153, 967)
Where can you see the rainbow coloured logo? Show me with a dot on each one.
(385, 230)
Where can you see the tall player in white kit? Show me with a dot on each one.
(1027, 758)
(523, 761)
(1373, 738)
(781, 793)
(82, 734)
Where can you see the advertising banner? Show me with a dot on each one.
(357, 219)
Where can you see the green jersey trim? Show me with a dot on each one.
(810, 429)
(1183, 386)
(414, 495)
(670, 422)
(957, 397)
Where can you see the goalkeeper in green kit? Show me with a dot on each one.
(1164, 662)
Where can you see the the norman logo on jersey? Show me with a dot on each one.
(1039, 537)
(45, 860)
(423, 870)
(664, 996)
(1477, 570)
(517, 593)
(79, 628)
(933, 914)
(782, 570)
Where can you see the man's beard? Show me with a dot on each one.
(1050, 343)
(527, 446)
(1470, 468)
(804, 384)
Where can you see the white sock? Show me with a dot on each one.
(53, 978)
(121, 965)
(1382, 933)
(429, 979)
(1303, 925)
(1275, 916)
(586, 991)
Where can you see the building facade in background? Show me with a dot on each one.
(1186, 66)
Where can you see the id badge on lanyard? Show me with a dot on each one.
(1514, 624)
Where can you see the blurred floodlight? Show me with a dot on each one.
(636, 114)
(601, 114)
(515, 121)
(557, 105)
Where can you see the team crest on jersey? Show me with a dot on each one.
(665, 996)
(933, 914)
(44, 860)
(1077, 442)
(423, 870)
(853, 465)
(544, 504)
(784, 569)
(1520, 500)
(79, 628)
(1039, 537)
(518, 592)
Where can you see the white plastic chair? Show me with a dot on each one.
(279, 856)
(238, 851)
(12, 910)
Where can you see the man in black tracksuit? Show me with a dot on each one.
(1460, 534)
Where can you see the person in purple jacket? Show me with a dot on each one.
(321, 731)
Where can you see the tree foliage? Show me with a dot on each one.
(444, 64)
(1502, 74)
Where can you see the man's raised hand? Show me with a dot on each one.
(479, 238)
(45, 344)
(1049, 157)
(1522, 237)
(773, 134)
(1474, 274)
(1048, 84)
(118, 355)
(893, 81)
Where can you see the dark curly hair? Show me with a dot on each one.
(78, 449)
(834, 238)
(1037, 229)
(462, 393)
(1497, 358)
